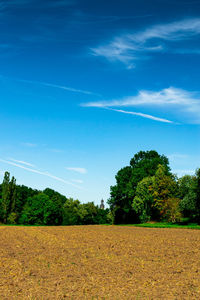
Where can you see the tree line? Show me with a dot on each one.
(147, 190)
(20, 204)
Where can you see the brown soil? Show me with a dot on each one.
(99, 262)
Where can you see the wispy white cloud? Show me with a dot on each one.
(171, 98)
(61, 87)
(21, 162)
(183, 29)
(128, 48)
(77, 169)
(142, 115)
(50, 85)
(39, 172)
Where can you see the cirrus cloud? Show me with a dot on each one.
(77, 169)
(129, 47)
(185, 103)
(22, 162)
(39, 172)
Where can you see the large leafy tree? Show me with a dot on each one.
(71, 210)
(156, 197)
(33, 212)
(40, 209)
(165, 192)
(143, 200)
(88, 213)
(143, 164)
(55, 195)
(57, 201)
(146, 163)
(187, 193)
(75, 213)
(22, 194)
(120, 192)
(103, 216)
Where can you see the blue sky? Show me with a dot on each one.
(85, 84)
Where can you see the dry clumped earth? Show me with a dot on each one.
(99, 262)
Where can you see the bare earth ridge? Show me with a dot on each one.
(99, 262)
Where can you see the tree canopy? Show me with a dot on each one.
(20, 204)
(142, 165)
(147, 190)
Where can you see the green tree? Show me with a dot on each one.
(55, 195)
(103, 216)
(172, 210)
(88, 213)
(120, 192)
(12, 218)
(13, 194)
(24, 205)
(5, 196)
(143, 164)
(8, 196)
(165, 191)
(71, 210)
(1, 211)
(198, 195)
(35, 209)
(57, 201)
(52, 212)
(143, 200)
(187, 194)
(22, 194)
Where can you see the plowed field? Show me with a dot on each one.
(99, 262)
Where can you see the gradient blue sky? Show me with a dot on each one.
(86, 84)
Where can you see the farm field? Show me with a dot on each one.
(99, 262)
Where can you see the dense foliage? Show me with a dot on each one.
(146, 190)
(22, 205)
